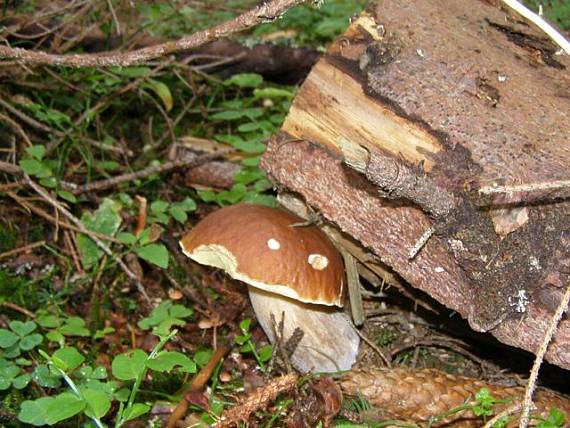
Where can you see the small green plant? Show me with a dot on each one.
(20, 337)
(245, 341)
(91, 392)
(164, 317)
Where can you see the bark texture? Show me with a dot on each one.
(413, 120)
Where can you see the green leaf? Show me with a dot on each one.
(98, 403)
(127, 238)
(179, 214)
(23, 328)
(244, 325)
(180, 311)
(253, 113)
(188, 204)
(249, 127)
(272, 93)
(34, 412)
(68, 196)
(249, 175)
(35, 168)
(48, 321)
(162, 91)
(131, 71)
(245, 80)
(22, 381)
(252, 146)
(44, 377)
(154, 253)
(157, 315)
(226, 115)
(105, 220)
(7, 374)
(165, 361)
(31, 341)
(260, 199)
(159, 206)
(50, 410)
(136, 410)
(56, 336)
(7, 338)
(265, 353)
(202, 357)
(38, 152)
(129, 365)
(75, 326)
(70, 357)
(234, 195)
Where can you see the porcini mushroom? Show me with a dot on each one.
(292, 270)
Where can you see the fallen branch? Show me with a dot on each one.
(263, 13)
(188, 162)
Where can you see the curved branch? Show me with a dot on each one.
(262, 13)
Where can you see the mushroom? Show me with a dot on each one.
(294, 273)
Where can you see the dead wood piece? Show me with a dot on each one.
(388, 229)
(426, 105)
(216, 174)
(417, 396)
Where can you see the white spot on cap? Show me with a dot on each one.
(273, 244)
(318, 261)
(439, 269)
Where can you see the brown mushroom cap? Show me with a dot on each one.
(259, 246)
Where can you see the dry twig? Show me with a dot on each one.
(262, 13)
(540, 353)
(23, 249)
(165, 167)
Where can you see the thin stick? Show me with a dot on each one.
(165, 167)
(114, 15)
(515, 408)
(264, 12)
(375, 348)
(18, 308)
(531, 384)
(524, 188)
(23, 249)
(420, 243)
(41, 213)
(540, 23)
(44, 194)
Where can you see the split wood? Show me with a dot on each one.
(263, 13)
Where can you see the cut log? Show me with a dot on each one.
(451, 117)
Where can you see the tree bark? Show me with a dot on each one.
(450, 116)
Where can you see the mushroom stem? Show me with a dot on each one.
(330, 341)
